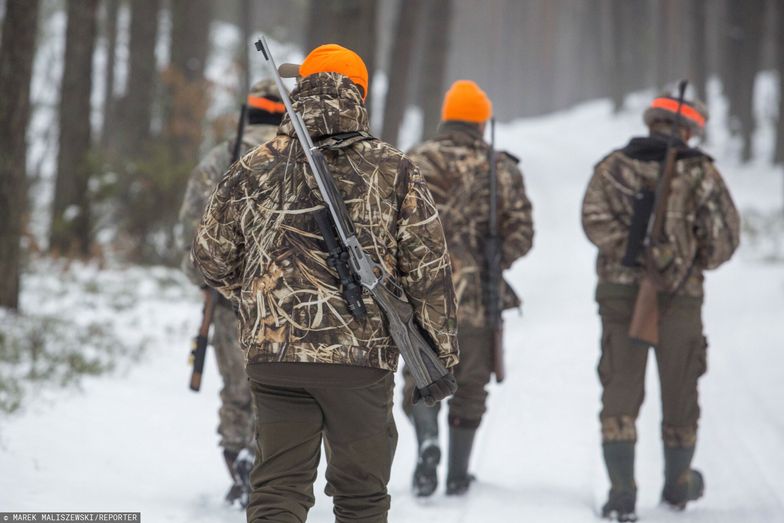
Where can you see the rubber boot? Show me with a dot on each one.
(681, 483)
(425, 480)
(235, 491)
(242, 468)
(461, 440)
(622, 498)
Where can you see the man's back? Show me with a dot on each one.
(456, 166)
(290, 302)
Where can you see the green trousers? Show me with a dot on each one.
(359, 435)
(680, 357)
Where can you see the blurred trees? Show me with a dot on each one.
(398, 77)
(16, 65)
(70, 231)
(350, 23)
(152, 95)
(435, 46)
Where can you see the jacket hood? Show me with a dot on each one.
(329, 103)
(461, 132)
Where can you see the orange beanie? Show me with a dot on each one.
(333, 58)
(466, 102)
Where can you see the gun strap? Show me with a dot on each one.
(337, 141)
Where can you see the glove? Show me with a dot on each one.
(443, 387)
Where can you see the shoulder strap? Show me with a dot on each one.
(339, 141)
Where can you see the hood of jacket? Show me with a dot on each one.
(329, 103)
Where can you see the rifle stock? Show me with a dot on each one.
(644, 327)
(199, 348)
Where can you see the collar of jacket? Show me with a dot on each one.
(329, 103)
(461, 132)
(653, 148)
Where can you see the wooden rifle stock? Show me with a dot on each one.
(499, 368)
(199, 348)
(644, 327)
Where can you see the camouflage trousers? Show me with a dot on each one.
(469, 404)
(681, 358)
(236, 423)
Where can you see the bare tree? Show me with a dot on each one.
(135, 110)
(17, 50)
(435, 49)
(112, 8)
(699, 54)
(743, 57)
(779, 153)
(184, 78)
(350, 23)
(400, 68)
(70, 229)
(246, 23)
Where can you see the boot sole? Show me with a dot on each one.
(614, 515)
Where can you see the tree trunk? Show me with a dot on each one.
(187, 100)
(779, 152)
(350, 23)
(699, 54)
(112, 8)
(70, 229)
(246, 23)
(135, 111)
(749, 43)
(397, 99)
(435, 50)
(16, 66)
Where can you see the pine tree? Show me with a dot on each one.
(17, 50)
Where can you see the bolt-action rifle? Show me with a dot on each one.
(493, 307)
(644, 327)
(199, 347)
(356, 270)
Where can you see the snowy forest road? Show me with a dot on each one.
(139, 441)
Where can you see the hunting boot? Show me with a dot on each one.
(425, 421)
(619, 459)
(242, 467)
(235, 491)
(681, 482)
(461, 440)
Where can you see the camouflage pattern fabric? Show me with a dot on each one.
(258, 243)
(235, 413)
(455, 165)
(702, 224)
(202, 182)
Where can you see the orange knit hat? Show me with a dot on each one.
(466, 102)
(330, 58)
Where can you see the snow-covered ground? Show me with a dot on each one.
(139, 440)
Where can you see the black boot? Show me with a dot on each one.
(425, 421)
(681, 483)
(235, 491)
(619, 459)
(461, 440)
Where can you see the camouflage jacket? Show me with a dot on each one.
(702, 225)
(202, 182)
(258, 243)
(455, 165)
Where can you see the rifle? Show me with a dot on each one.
(356, 270)
(493, 257)
(199, 346)
(644, 327)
